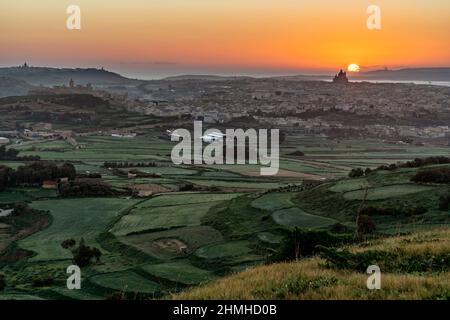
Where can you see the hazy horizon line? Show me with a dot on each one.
(158, 71)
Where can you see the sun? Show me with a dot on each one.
(353, 67)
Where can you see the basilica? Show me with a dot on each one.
(341, 77)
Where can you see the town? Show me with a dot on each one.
(399, 113)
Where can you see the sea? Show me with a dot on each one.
(161, 72)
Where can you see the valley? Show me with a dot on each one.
(208, 221)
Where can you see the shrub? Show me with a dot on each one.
(88, 188)
(417, 163)
(344, 259)
(44, 281)
(365, 225)
(2, 282)
(297, 153)
(340, 228)
(355, 173)
(35, 173)
(419, 210)
(438, 175)
(382, 211)
(302, 243)
(12, 154)
(389, 261)
(444, 203)
(83, 254)
(187, 187)
(69, 243)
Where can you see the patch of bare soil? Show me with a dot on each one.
(172, 245)
(155, 188)
(16, 254)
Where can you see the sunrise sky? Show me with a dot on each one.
(139, 37)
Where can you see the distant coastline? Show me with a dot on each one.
(418, 82)
(99, 76)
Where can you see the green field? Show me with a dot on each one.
(125, 281)
(180, 271)
(102, 148)
(387, 192)
(166, 242)
(72, 218)
(236, 184)
(193, 237)
(274, 201)
(295, 217)
(144, 219)
(11, 164)
(186, 198)
(13, 197)
(349, 185)
(224, 250)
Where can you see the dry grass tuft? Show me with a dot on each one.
(311, 279)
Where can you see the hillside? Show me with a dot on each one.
(78, 111)
(13, 87)
(406, 74)
(410, 243)
(418, 74)
(407, 205)
(197, 77)
(56, 76)
(210, 221)
(427, 275)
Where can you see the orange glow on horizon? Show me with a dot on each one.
(265, 33)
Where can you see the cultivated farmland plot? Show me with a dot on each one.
(170, 241)
(72, 218)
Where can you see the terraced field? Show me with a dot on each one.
(159, 245)
(231, 219)
(295, 217)
(147, 217)
(274, 201)
(387, 192)
(72, 218)
(180, 271)
(161, 218)
(125, 281)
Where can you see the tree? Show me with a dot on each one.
(358, 234)
(444, 203)
(67, 170)
(357, 172)
(69, 243)
(5, 177)
(83, 254)
(294, 238)
(2, 282)
(437, 175)
(8, 154)
(302, 243)
(365, 225)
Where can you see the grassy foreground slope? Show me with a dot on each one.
(412, 266)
